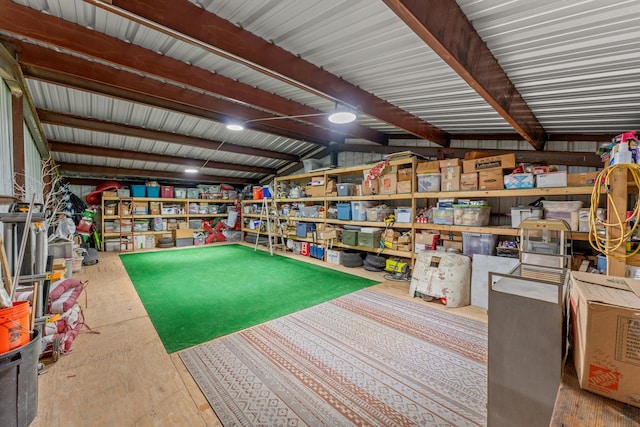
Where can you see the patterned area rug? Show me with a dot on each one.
(363, 359)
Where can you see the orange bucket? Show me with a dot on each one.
(14, 326)
(257, 193)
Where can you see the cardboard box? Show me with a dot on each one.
(314, 190)
(183, 233)
(469, 181)
(519, 180)
(154, 208)
(582, 179)
(490, 180)
(390, 235)
(405, 174)
(403, 187)
(403, 247)
(428, 167)
(388, 183)
(404, 239)
(605, 315)
(109, 194)
(551, 179)
(505, 161)
(429, 239)
(450, 163)
(450, 178)
(370, 187)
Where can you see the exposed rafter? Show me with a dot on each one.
(187, 21)
(442, 25)
(92, 150)
(29, 23)
(79, 170)
(68, 120)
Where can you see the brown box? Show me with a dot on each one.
(450, 178)
(605, 313)
(505, 161)
(450, 163)
(490, 179)
(183, 225)
(582, 179)
(469, 181)
(403, 187)
(154, 208)
(406, 239)
(388, 183)
(428, 167)
(314, 190)
(181, 233)
(109, 194)
(390, 235)
(405, 174)
(452, 244)
(331, 186)
(427, 238)
(370, 187)
(403, 248)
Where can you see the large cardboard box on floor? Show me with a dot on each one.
(605, 316)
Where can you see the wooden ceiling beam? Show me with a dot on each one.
(27, 22)
(534, 156)
(77, 170)
(92, 150)
(68, 120)
(442, 25)
(186, 21)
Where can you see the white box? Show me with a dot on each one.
(402, 214)
(334, 256)
(552, 179)
(140, 242)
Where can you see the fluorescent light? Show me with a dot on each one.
(342, 114)
(191, 170)
(235, 127)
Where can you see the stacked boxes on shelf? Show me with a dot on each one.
(450, 171)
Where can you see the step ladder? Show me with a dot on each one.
(270, 219)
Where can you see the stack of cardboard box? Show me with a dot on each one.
(489, 171)
(450, 174)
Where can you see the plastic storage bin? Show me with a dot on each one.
(193, 193)
(345, 189)
(428, 182)
(302, 228)
(378, 213)
(309, 211)
(473, 215)
(443, 216)
(167, 191)
(344, 211)
(153, 191)
(359, 210)
(568, 211)
(180, 193)
(138, 190)
(402, 215)
(479, 243)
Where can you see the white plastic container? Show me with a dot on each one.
(359, 210)
(567, 211)
(520, 213)
(403, 214)
(479, 243)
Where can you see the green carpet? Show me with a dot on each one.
(196, 294)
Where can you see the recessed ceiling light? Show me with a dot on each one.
(191, 170)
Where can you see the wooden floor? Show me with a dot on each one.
(122, 376)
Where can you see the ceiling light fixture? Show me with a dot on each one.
(342, 114)
(191, 170)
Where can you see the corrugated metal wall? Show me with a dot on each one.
(33, 169)
(6, 152)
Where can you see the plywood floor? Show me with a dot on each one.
(122, 375)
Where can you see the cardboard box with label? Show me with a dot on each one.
(490, 180)
(505, 161)
(551, 179)
(519, 180)
(605, 316)
(388, 183)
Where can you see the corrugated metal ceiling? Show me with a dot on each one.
(575, 63)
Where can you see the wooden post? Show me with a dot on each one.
(616, 263)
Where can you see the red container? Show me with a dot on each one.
(305, 249)
(166, 191)
(257, 193)
(14, 326)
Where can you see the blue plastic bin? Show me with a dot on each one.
(153, 191)
(138, 190)
(344, 211)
